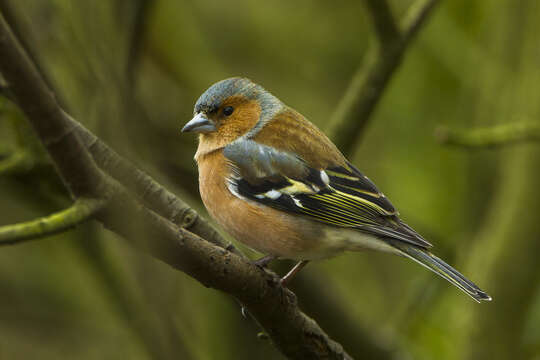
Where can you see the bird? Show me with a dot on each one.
(277, 183)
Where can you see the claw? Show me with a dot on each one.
(292, 273)
(244, 312)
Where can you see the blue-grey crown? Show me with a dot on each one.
(214, 96)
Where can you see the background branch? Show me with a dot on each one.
(416, 17)
(76, 167)
(80, 211)
(153, 194)
(383, 21)
(367, 86)
(138, 27)
(493, 136)
(17, 162)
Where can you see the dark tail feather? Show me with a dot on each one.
(439, 267)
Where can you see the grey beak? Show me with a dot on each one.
(199, 124)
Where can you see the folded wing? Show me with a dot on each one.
(337, 195)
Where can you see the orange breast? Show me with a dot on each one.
(260, 227)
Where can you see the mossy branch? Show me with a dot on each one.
(17, 162)
(80, 211)
(28, 152)
(367, 86)
(493, 136)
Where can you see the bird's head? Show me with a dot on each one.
(229, 109)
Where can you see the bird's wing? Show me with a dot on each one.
(336, 195)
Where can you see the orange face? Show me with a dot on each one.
(236, 116)
(219, 127)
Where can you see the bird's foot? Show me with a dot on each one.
(264, 261)
(292, 273)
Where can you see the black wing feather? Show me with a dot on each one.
(338, 196)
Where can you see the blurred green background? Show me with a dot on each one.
(131, 72)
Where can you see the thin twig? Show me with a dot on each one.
(416, 17)
(494, 136)
(17, 162)
(80, 211)
(367, 86)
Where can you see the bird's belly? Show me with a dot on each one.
(271, 231)
(289, 236)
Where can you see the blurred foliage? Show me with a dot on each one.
(132, 70)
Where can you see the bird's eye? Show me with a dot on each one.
(228, 110)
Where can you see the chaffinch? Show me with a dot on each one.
(276, 183)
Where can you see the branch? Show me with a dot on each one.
(28, 153)
(416, 17)
(80, 211)
(352, 114)
(273, 306)
(166, 204)
(17, 27)
(499, 135)
(76, 167)
(4, 89)
(383, 21)
(153, 194)
(173, 208)
(142, 8)
(17, 162)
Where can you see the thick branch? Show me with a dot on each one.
(80, 211)
(274, 307)
(74, 164)
(499, 135)
(142, 8)
(368, 84)
(153, 194)
(168, 205)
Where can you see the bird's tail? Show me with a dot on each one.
(439, 267)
